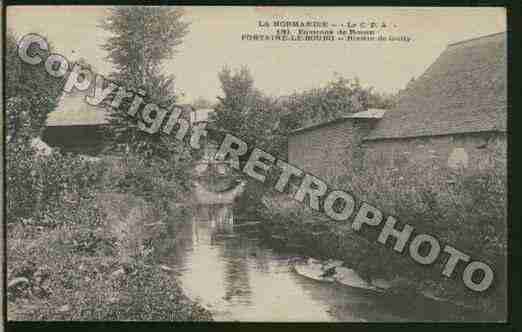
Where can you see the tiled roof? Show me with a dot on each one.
(464, 90)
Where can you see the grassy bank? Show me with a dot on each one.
(82, 236)
(74, 273)
(464, 209)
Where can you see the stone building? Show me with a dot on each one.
(332, 147)
(455, 115)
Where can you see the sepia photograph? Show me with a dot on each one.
(255, 164)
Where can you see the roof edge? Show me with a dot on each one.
(322, 124)
(77, 125)
(475, 38)
(383, 138)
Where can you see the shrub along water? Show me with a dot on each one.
(81, 237)
(463, 208)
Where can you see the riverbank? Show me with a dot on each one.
(399, 290)
(82, 236)
(74, 273)
(410, 295)
(332, 252)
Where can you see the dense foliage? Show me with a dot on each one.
(247, 113)
(265, 121)
(341, 96)
(30, 93)
(465, 209)
(81, 229)
(142, 38)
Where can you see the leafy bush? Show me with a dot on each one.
(158, 181)
(67, 283)
(40, 186)
(466, 209)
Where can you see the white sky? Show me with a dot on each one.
(278, 68)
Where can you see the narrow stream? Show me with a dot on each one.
(237, 278)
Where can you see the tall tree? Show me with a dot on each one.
(238, 98)
(142, 39)
(247, 112)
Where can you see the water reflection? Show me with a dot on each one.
(237, 278)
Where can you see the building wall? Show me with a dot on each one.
(329, 150)
(463, 150)
(339, 148)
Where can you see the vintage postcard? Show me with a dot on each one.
(256, 164)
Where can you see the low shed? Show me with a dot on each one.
(334, 147)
